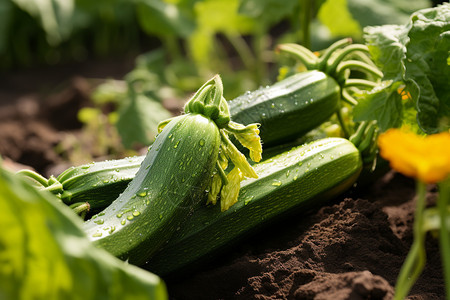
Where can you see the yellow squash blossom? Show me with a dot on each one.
(426, 158)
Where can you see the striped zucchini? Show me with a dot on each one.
(172, 178)
(299, 178)
(289, 108)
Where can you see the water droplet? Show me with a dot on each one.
(170, 135)
(105, 181)
(99, 222)
(97, 234)
(130, 217)
(247, 200)
(123, 222)
(276, 183)
(119, 215)
(300, 164)
(112, 229)
(295, 177)
(85, 167)
(136, 213)
(176, 145)
(287, 173)
(160, 216)
(142, 194)
(202, 142)
(263, 115)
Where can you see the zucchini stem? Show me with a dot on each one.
(355, 64)
(301, 53)
(330, 50)
(34, 176)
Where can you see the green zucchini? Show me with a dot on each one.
(172, 178)
(302, 177)
(289, 108)
(98, 183)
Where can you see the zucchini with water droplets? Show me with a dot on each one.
(300, 178)
(289, 108)
(286, 110)
(171, 180)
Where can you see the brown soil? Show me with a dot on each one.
(352, 248)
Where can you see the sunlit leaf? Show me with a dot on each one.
(44, 254)
(258, 9)
(56, 16)
(344, 24)
(162, 18)
(139, 119)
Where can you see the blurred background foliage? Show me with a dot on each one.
(179, 44)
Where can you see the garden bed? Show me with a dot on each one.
(352, 248)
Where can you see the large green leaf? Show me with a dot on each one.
(383, 104)
(55, 16)
(259, 9)
(345, 24)
(139, 119)
(162, 18)
(416, 55)
(44, 254)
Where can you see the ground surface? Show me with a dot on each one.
(352, 248)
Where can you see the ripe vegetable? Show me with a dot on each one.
(289, 108)
(296, 179)
(174, 175)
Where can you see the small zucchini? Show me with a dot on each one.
(98, 183)
(173, 177)
(299, 178)
(289, 108)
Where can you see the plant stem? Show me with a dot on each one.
(415, 261)
(306, 22)
(444, 233)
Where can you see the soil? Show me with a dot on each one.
(352, 248)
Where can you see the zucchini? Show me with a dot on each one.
(98, 183)
(297, 179)
(289, 108)
(172, 178)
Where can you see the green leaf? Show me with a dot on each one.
(426, 64)
(139, 119)
(344, 25)
(258, 9)
(212, 17)
(162, 18)
(56, 17)
(383, 104)
(44, 253)
(416, 54)
(387, 48)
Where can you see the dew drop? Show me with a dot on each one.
(119, 215)
(202, 142)
(130, 217)
(97, 234)
(123, 222)
(142, 194)
(99, 222)
(136, 213)
(276, 183)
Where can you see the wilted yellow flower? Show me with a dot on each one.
(425, 158)
(250, 139)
